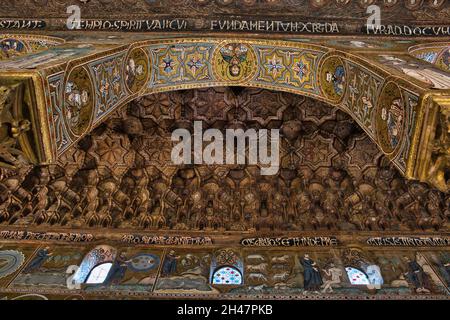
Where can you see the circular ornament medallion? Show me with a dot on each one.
(10, 48)
(136, 70)
(78, 101)
(390, 118)
(234, 62)
(332, 78)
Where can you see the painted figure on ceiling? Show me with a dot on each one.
(170, 264)
(428, 56)
(367, 105)
(446, 58)
(311, 275)
(10, 48)
(394, 120)
(334, 275)
(337, 78)
(234, 54)
(438, 80)
(417, 276)
(118, 269)
(76, 100)
(435, 78)
(446, 272)
(39, 260)
(133, 71)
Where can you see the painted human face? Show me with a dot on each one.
(132, 64)
(394, 131)
(140, 70)
(73, 97)
(384, 114)
(235, 70)
(69, 87)
(84, 97)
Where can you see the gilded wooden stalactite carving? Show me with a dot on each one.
(120, 176)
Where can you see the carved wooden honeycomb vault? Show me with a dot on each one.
(332, 176)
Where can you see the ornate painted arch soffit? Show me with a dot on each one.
(58, 85)
(71, 86)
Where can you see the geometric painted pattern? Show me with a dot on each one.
(227, 276)
(58, 129)
(180, 63)
(356, 276)
(108, 83)
(362, 95)
(290, 68)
